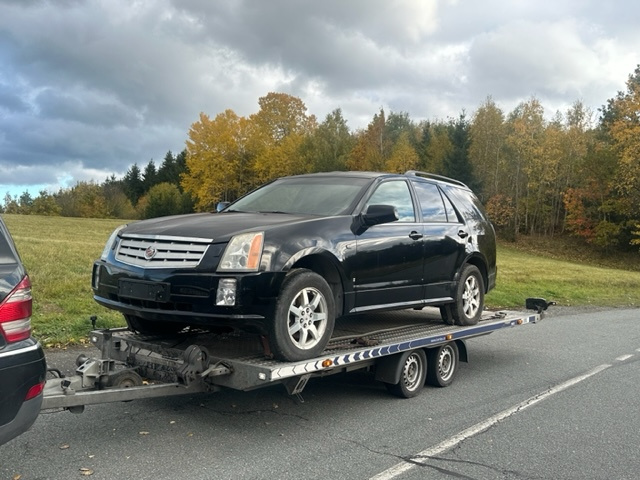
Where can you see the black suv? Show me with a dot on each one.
(22, 364)
(289, 257)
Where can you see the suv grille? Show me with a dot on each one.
(161, 252)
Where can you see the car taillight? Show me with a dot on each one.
(34, 391)
(15, 312)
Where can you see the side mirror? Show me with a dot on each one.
(221, 206)
(377, 214)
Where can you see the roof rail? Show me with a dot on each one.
(417, 173)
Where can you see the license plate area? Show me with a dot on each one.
(144, 290)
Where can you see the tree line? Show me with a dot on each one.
(151, 192)
(574, 173)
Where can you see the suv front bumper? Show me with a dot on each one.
(188, 296)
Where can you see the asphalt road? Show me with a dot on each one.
(555, 400)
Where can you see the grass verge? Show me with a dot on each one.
(524, 274)
(58, 253)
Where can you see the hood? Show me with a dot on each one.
(216, 226)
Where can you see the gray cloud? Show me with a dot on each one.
(89, 88)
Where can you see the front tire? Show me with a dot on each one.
(304, 317)
(412, 376)
(467, 309)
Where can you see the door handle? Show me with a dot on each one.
(415, 235)
(462, 234)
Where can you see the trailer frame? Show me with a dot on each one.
(133, 366)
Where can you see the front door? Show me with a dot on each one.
(388, 264)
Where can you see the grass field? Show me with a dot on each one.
(59, 253)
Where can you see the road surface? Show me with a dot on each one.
(555, 400)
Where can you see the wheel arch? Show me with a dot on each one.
(481, 264)
(325, 265)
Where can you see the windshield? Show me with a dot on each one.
(319, 195)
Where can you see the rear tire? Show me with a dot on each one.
(304, 317)
(447, 316)
(467, 309)
(151, 327)
(442, 364)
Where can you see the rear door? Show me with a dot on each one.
(445, 238)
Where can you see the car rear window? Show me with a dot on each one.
(8, 254)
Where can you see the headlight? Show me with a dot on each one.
(243, 253)
(110, 242)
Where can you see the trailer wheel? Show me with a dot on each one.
(442, 364)
(412, 376)
(304, 317)
(152, 327)
(467, 309)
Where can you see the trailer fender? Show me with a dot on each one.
(389, 368)
(462, 351)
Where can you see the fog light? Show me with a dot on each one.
(226, 294)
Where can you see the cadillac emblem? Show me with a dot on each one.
(149, 253)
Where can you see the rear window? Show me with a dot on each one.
(8, 253)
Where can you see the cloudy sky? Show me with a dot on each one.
(87, 88)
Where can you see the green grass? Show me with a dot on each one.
(523, 274)
(59, 253)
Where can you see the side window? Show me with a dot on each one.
(452, 216)
(395, 193)
(431, 204)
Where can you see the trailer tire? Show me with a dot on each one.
(152, 327)
(467, 309)
(304, 317)
(442, 364)
(412, 375)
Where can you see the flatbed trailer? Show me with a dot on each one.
(404, 348)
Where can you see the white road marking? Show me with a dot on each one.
(424, 455)
(623, 358)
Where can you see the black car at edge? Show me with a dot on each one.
(22, 362)
(290, 257)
